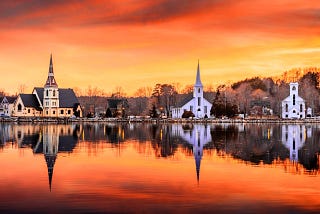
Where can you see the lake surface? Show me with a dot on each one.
(148, 168)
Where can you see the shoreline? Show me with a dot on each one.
(160, 120)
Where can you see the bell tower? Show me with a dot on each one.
(50, 94)
(198, 94)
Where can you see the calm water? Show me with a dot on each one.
(145, 168)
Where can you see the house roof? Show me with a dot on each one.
(30, 100)
(67, 97)
(11, 99)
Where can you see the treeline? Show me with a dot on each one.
(251, 96)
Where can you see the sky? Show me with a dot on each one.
(138, 43)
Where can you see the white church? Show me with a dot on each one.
(196, 103)
(293, 107)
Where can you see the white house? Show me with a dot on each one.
(6, 106)
(293, 107)
(196, 103)
(49, 101)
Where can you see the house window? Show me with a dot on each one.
(61, 111)
(47, 112)
(47, 93)
(54, 93)
(294, 99)
(28, 111)
(286, 107)
(19, 107)
(199, 101)
(54, 112)
(205, 109)
(301, 108)
(69, 111)
(293, 88)
(286, 116)
(294, 111)
(191, 108)
(198, 90)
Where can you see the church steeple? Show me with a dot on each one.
(198, 80)
(51, 82)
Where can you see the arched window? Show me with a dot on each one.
(19, 107)
(286, 107)
(294, 100)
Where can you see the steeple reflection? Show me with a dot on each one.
(197, 135)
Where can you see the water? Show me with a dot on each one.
(147, 168)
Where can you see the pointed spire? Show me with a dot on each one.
(51, 82)
(198, 163)
(198, 80)
(50, 160)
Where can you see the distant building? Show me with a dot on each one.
(118, 106)
(293, 107)
(49, 101)
(196, 103)
(6, 106)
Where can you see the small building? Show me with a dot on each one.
(49, 101)
(293, 107)
(195, 103)
(6, 106)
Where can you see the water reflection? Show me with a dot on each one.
(293, 147)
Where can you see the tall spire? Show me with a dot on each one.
(50, 160)
(198, 80)
(51, 82)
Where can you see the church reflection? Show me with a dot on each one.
(48, 140)
(197, 135)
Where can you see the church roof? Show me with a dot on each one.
(206, 95)
(67, 97)
(30, 100)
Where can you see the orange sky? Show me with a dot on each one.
(136, 43)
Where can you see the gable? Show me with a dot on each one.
(30, 100)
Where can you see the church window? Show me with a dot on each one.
(294, 144)
(54, 93)
(301, 108)
(47, 93)
(19, 107)
(199, 142)
(293, 88)
(199, 101)
(286, 107)
(199, 90)
(294, 100)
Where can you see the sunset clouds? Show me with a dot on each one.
(132, 43)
